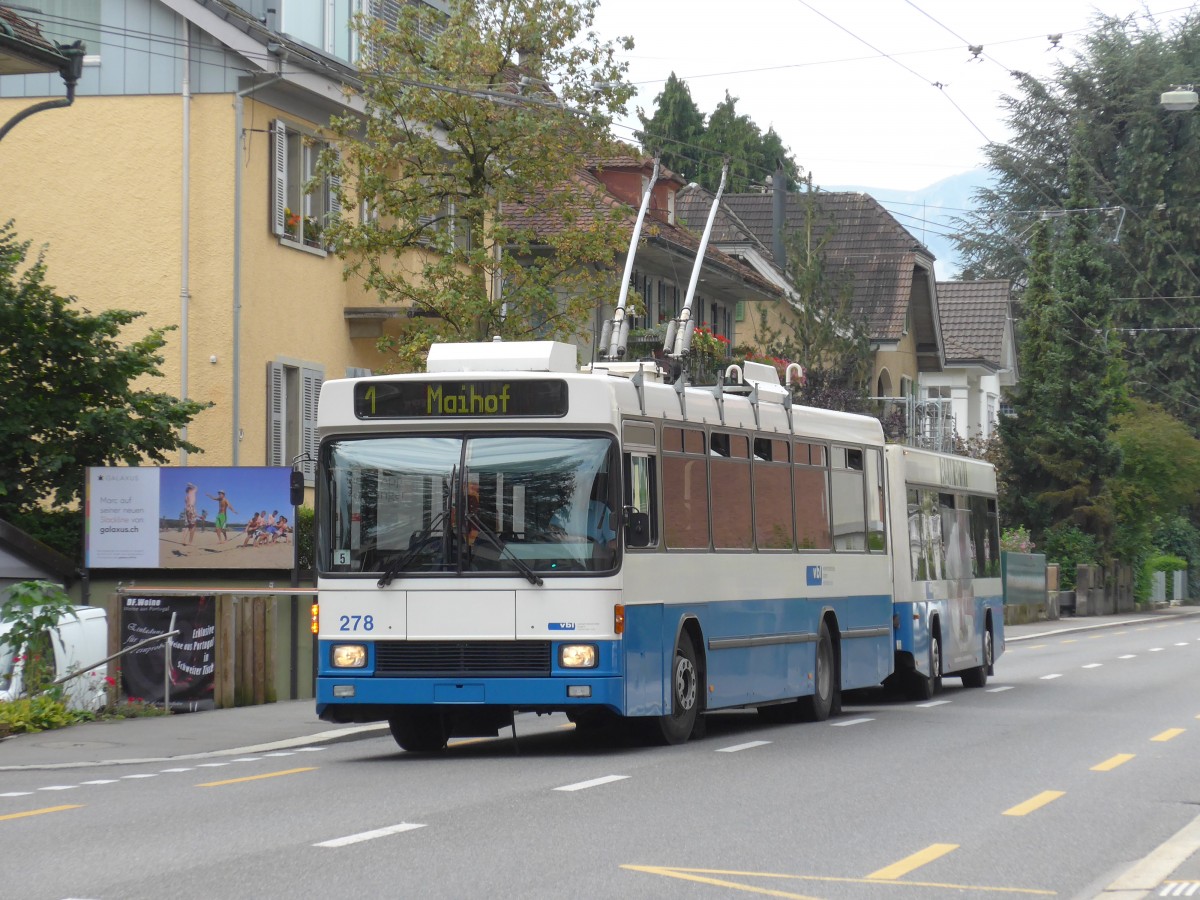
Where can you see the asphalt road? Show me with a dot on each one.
(1076, 760)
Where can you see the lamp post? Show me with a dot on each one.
(1180, 99)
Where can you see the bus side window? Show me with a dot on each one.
(641, 518)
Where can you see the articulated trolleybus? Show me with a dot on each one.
(505, 533)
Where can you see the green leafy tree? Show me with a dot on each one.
(689, 144)
(1144, 163)
(818, 326)
(675, 130)
(68, 381)
(1060, 442)
(466, 166)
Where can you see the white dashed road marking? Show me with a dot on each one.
(746, 746)
(595, 782)
(369, 835)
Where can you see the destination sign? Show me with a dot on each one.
(460, 399)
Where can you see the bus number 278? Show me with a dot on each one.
(356, 623)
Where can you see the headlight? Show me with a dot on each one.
(349, 656)
(577, 656)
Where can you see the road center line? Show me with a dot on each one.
(256, 777)
(1112, 762)
(746, 746)
(369, 835)
(1033, 803)
(1001, 689)
(595, 782)
(39, 812)
(932, 703)
(915, 861)
(1128, 656)
(1052, 676)
(1168, 734)
(1093, 665)
(848, 722)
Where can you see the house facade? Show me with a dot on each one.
(890, 272)
(981, 358)
(177, 185)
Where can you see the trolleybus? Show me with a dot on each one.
(507, 533)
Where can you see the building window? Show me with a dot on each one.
(301, 208)
(324, 24)
(292, 394)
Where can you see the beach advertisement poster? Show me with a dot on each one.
(193, 517)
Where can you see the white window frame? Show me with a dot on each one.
(294, 154)
(293, 391)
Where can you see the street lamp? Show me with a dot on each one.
(1179, 99)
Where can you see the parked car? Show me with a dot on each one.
(81, 639)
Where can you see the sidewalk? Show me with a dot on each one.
(294, 723)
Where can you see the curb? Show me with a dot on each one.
(338, 735)
(1070, 629)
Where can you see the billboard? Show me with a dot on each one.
(192, 517)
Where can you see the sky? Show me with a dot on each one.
(850, 85)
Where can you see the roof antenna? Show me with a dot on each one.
(615, 334)
(679, 332)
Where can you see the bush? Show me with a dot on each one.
(1068, 546)
(41, 713)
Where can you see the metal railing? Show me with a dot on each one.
(170, 633)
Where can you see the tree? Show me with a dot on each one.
(686, 144)
(817, 325)
(1144, 163)
(675, 130)
(466, 164)
(1060, 442)
(68, 386)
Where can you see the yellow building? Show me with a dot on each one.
(175, 185)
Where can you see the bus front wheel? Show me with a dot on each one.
(425, 731)
(676, 726)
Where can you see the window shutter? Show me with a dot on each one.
(276, 405)
(333, 203)
(310, 390)
(278, 177)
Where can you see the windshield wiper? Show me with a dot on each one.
(400, 562)
(522, 566)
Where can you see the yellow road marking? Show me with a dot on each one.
(697, 875)
(1112, 762)
(1070, 641)
(1168, 734)
(256, 777)
(39, 812)
(915, 861)
(1024, 809)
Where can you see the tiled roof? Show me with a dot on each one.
(547, 221)
(630, 161)
(692, 206)
(23, 48)
(973, 316)
(865, 242)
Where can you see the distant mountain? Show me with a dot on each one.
(927, 213)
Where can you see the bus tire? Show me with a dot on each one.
(924, 687)
(825, 697)
(978, 676)
(676, 726)
(423, 731)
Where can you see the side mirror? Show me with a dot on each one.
(637, 528)
(297, 487)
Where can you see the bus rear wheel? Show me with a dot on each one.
(923, 687)
(425, 731)
(676, 726)
(825, 697)
(978, 676)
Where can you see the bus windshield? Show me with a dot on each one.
(468, 504)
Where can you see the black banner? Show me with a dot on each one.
(193, 650)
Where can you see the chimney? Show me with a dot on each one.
(779, 215)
